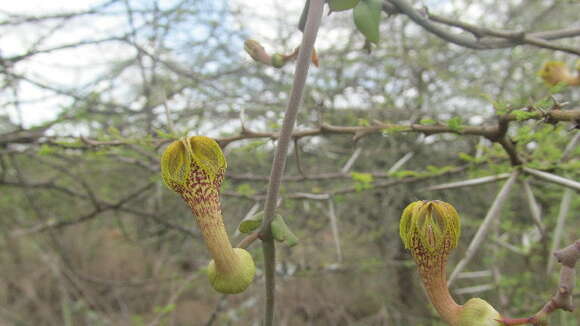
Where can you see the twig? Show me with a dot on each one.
(570, 147)
(492, 214)
(218, 307)
(334, 227)
(303, 63)
(399, 164)
(351, 160)
(298, 159)
(173, 299)
(562, 299)
(248, 240)
(498, 40)
(554, 178)
(469, 183)
(562, 214)
(475, 289)
(534, 208)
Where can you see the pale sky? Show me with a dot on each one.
(74, 67)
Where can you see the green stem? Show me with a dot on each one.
(269, 251)
(303, 63)
(217, 241)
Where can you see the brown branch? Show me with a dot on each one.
(53, 224)
(248, 240)
(495, 39)
(562, 299)
(349, 189)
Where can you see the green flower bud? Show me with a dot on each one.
(278, 60)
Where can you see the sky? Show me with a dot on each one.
(70, 68)
(65, 68)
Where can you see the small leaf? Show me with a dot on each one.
(558, 88)
(282, 233)
(455, 124)
(367, 15)
(341, 5)
(251, 224)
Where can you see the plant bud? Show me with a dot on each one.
(278, 60)
(477, 312)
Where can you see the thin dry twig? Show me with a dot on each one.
(492, 215)
(562, 299)
(469, 183)
(534, 207)
(561, 221)
(553, 178)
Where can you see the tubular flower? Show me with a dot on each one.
(430, 230)
(195, 168)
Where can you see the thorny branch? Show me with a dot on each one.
(562, 299)
(484, 38)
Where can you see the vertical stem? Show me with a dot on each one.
(300, 74)
(269, 250)
(303, 63)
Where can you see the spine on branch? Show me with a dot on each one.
(195, 168)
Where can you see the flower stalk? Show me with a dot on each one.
(195, 168)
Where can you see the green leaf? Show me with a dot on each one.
(252, 223)
(341, 5)
(367, 15)
(363, 181)
(282, 233)
(558, 88)
(455, 124)
(427, 122)
(466, 157)
(363, 122)
(523, 115)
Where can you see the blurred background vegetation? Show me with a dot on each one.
(90, 96)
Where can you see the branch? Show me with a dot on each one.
(562, 214)
(469, 183)
(562, 299)
(53, 224)
(478, 238)
(309, 37)
(498, 40)
(554, 178)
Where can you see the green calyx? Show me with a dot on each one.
(477, 312)
(195, 153)
(278, 60)
(237, 278)
(433, 225)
